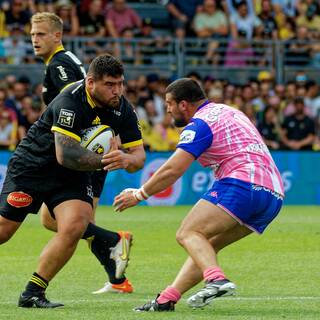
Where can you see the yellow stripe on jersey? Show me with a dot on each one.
(60, 48)
(66, 132)
(90, 101)
(132, 144)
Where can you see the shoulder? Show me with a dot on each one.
(64, 58)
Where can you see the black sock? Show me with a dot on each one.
(108, 237)
(100, 241)
(36, 284)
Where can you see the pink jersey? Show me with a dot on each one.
(237, 149)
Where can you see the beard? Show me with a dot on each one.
(113, 103)
(179, 123)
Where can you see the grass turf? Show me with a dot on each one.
(277, 274)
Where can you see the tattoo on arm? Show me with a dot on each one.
(71, 155)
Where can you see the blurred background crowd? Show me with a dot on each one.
(212, 35)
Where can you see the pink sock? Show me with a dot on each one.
(213, 273)
(169, 294)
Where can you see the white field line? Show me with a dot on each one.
(120, 299)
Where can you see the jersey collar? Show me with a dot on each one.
(203, 104)
(60, 48)
(89, 99)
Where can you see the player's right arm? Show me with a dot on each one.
(72, 155)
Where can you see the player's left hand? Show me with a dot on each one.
(125, 200)
(115, 159)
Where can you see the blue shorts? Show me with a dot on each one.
(252, 205)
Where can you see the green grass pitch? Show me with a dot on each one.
(277, 274)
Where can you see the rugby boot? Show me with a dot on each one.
(120, 253)
(124, 287)
(27, 300)
(154, 306)
(212, 289)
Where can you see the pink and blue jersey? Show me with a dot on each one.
(224, 139)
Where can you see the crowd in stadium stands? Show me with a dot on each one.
(288, 116)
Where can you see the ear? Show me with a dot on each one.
(183, 105)
(89, 81)
(58, 36)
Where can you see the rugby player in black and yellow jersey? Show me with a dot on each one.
(50, 166)
(62, 69)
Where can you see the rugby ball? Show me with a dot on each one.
(97, 139)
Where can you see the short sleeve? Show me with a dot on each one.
(196, 137)
(130, 135)
(67, 117)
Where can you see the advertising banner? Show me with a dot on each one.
(299, 172)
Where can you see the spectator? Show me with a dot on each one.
(299, 49)
(120, 17)
(298, 130)
(8, 139)
(92, 25)
(269, 128)
(18, 16)
(288, 7)
(310, 18)
(182, 13)
(243, 23)
(211, 23)
(312, 99)
(16, 49)
(67, 11)
(9, 123)
(232, 5)
(92, 22)
(44, 5)
(128, 51)
(269, 24)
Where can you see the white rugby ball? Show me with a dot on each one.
(97, 139)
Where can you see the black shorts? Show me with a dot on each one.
(17, 200)
(98, 179)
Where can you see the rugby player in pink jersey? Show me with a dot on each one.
(245, 197)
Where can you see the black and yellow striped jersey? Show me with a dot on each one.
(62, 68)
(71, 112)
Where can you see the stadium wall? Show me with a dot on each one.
(298, 169)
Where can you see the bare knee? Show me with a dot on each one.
(181, 236)
(73, 231)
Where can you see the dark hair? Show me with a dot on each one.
(105, 65)
(186, 89)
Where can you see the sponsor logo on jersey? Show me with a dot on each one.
(66, 118)
(62, 73)
(96, 121)
(187, 136)
(19, 199)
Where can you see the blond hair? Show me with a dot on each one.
(54, 21)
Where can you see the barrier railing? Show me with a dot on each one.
(237, 61)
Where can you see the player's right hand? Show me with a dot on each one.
(125, 199)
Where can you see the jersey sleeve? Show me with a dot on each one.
(67, 117)
(195, 138)
(130, 135)
(62, 74)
